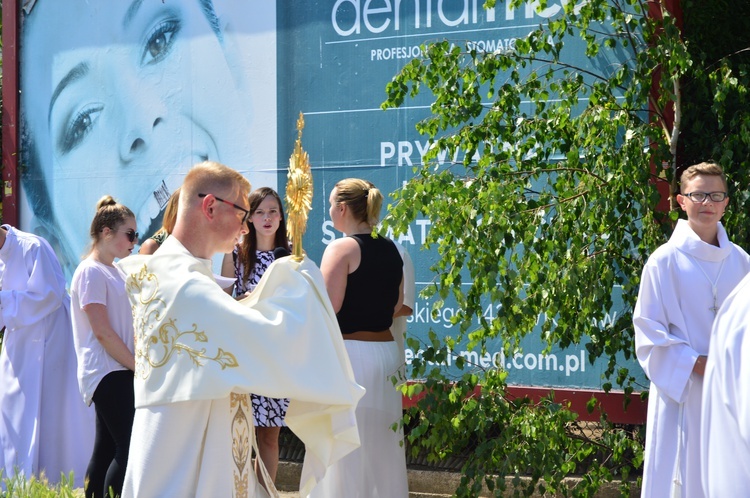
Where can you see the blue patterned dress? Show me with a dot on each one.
(267, 412)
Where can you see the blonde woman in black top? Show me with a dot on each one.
(364, 278)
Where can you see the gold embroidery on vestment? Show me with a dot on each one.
(157, 336)
(239, 406)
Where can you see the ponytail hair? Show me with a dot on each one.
(109, 214)
(363, 198)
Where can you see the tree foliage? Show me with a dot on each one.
(716, 104)
(551, 213)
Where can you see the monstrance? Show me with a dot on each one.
(299, 192)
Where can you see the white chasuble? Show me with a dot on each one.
(44, 424)
(195, 346)
(682, 285)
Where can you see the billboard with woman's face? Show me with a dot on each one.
(122, 97)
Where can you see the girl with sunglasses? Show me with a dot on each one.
(103, 338)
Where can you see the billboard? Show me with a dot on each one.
(335, 59)
(122, 97)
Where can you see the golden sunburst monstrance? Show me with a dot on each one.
(299, 192)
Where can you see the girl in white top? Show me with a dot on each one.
(103, 337)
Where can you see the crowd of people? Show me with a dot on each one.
(183, 370)
(183, 367)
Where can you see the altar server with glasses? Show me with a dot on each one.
(683, 285)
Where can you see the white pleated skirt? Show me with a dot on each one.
(377, 469)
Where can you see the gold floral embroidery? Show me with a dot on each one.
(157, 337)
(239, 407)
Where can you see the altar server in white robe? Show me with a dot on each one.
(683, 285)
(44, 424)
(199, 352)
(725, 433)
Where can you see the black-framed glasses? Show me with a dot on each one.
(131, 234)
(699, 197)
(247, 212)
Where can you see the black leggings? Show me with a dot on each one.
(114, 402)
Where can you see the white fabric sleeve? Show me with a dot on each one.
(43, 295)
(92, 287)
(666, 358)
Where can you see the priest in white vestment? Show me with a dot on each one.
(199, 352)
(725, 433)
(45, 427)
(682, 287)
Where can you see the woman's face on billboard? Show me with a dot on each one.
(123, 97)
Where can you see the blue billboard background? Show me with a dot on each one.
(123, 101)
(335, 59)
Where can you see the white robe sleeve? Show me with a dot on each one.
(661, 347)
(729, 365)
(725, 431)
(43, 295)
(736, 375)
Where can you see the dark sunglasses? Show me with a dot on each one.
(132, 235)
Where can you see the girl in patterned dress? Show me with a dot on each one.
(248, 262)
